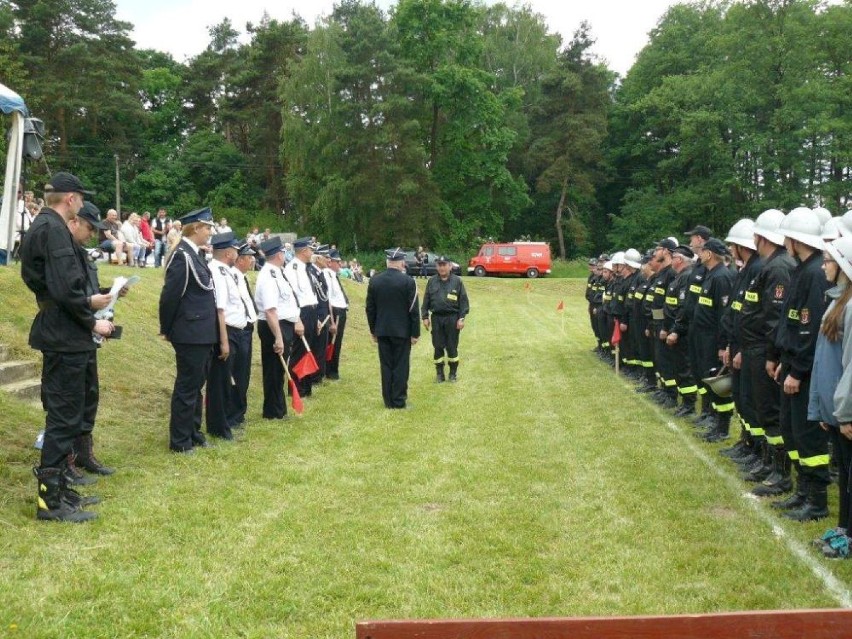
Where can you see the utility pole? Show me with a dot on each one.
(117, 187)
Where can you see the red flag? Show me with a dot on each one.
(306, 366)
(298, 406)
(329, 352)
(560, 306)
(616, 334)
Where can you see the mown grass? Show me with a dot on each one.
(539, 485)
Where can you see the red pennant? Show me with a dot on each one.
(298, 406)
(329, 352)
(306, 366)
(560, 306)
(616, 334)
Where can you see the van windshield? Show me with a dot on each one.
(487, 251)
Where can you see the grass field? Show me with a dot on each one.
(539, 485)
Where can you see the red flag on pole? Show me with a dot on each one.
(298, 406)
(560, 306)
(616, 334)
(329, 352)
(308, 364)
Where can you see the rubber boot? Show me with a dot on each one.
(815, 507)
(687, 406)
(51, 506)
(454, 369)
(439, 374)
(779, 481)
(84, 446)
(721, 428)
(762, 468)
(73, 475)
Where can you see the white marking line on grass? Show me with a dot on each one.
(831, 583)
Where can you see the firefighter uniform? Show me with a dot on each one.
(447, 302)
(674, 301)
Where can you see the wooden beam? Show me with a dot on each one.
(786, 624)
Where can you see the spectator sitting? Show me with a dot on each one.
(112, 241)
(133, 236)
(345, 271)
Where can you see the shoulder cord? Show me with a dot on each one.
(318, 288)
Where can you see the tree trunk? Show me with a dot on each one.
(559, 208)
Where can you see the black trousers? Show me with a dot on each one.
(318, 347)
(274, 397)
(308, 316)
(804, 440)
(332, 368)
(69, 390)
(686, 384)
(445, 338)
(843, 450)
(765, 397)
(242, 374)
(193, 364)
(707, 357)
(394, 360)
(220, 389)
(664, 361)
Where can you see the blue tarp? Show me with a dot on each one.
(11, 101)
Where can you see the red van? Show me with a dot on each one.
(530, 259)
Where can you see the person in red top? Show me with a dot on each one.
(147, 235)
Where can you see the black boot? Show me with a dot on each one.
(454, 369)
(85, 449)
(73, 475)
(720, 429)
(687, 408)
(797, 499)
(815, 507)
(439, 376)
(51, 505)
(779, 480)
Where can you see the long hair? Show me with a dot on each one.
(832, 323)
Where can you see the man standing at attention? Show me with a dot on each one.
(393, 314)
(62, 331)
(446, 299)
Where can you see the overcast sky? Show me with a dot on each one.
(180, 26)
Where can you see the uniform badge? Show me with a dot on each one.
(779, 292)
(805, 316)
(222, 270)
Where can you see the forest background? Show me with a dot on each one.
(444, 122)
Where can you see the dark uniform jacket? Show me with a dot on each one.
(591, 286)
(187, 305)
(52, 269)
(320, 287)
(732, 318)
(658, 289)
(676, 298)
(392, 305)
(715, 293)
(696, 281)
(445, 297)
(798, 329)
(764, 300)
(635, 315)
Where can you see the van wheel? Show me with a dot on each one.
(532, 273)
(479, 271)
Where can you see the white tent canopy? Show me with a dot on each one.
(13, 105)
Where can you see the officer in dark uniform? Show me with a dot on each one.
(591, 285)
(623, 311)
(597, 302)
(393, 314)
(636, 321)
(663, 356)
(603, 315)
(791, 361)
(319, 261)
(763, 302)
(682, 258)
(63, 331)
(83, 228)
(446, 299)
(706, 324)
(188, 319)
(646, 294)
(232, 318)
(697, 238)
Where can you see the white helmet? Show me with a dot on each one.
(845, 226)
(766, 226)
(607, 266)
(633, 258)
(823, 214)
(841, 251)
(742, 234)
(831, 229)
(618, 258)
(803, 225)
